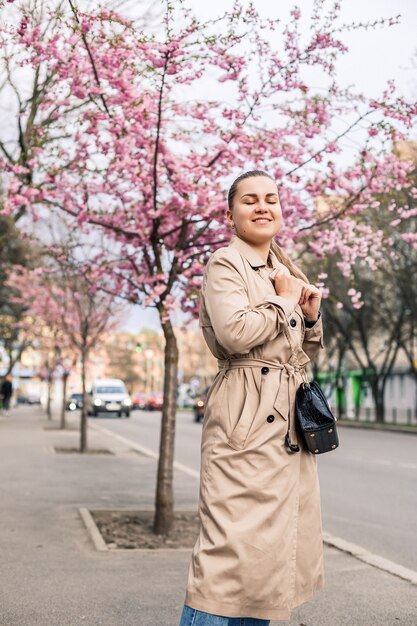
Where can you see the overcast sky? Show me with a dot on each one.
(374, 57)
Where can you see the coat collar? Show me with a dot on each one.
(250, 254)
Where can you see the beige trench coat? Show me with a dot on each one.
(259, 551)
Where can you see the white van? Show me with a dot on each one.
(109, 395)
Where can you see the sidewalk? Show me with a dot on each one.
(51, 575)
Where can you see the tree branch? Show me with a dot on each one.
(315, 154)
(90, 55)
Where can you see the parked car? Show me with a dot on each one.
(109, 395)
(155, 401)
(199, 405)
(75, 401)
(28, 399)
(140, 400)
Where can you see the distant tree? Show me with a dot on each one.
(123, 360)
(47, 340)
(371, 314)
(57, 356)
(370, 331)
(65, 301)
(14, 251)
(400, 264)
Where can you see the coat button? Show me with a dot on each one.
(293, 322)
(270, 418)
(265, 370)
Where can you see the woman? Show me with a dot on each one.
(259, 552)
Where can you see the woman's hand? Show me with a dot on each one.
(288, 286)
(310, 301)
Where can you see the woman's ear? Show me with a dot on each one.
(229, 218)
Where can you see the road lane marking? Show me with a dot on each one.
(408, 465)
(370, 558)
(143, 450)
(349, 521)
(336, 542)
(384, 462)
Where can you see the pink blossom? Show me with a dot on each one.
(141, 159)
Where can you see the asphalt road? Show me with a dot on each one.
(368, 485)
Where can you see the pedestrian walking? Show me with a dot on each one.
(259, 550)
(6, 391)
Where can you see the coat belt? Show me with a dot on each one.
(289, 369)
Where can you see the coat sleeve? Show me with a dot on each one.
(237, 325)
(313, 339)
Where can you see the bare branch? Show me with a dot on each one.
(339, 136)
(90, 55)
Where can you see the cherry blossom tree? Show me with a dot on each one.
(145, 131)
(47, 341)
(370, 317)
(70, 317)
(43, 327)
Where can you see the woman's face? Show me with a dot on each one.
(256, 214)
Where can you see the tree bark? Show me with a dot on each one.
(164, 501)
(340, 384)
(377, 390)
(64, 400)
(48, 401)
(83, 419)
(14, 358)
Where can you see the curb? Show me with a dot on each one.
(371, 559)
(390, 428)
(92, 530)
(100, 544)
(347, 547)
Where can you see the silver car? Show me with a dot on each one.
(109, 395)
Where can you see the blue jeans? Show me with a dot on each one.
(192, 617)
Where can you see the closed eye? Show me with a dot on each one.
(268, 201)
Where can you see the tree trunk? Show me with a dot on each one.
(49, 398)
(164, 501)
(83, 419)
(340, 395)
(380, 410)
(64, 399)
(340, 384)
(378, 397)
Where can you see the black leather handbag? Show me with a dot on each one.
(316, 421)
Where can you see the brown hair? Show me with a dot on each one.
(276, 249)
